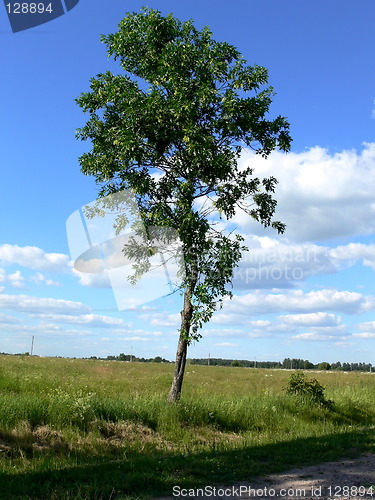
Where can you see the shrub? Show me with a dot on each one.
(324, 366)
(311, 389)
(237, 363)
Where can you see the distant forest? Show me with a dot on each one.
(287, 364)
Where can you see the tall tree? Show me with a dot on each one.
(184, 106)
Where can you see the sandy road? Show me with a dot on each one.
(347, 479)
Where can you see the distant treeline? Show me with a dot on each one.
(131, 357)
(120, 357)
(288, 363)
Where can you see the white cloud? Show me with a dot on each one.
(320, 196)
(33, 258)
(29, 304)
(259, 323)
(313, 336)
(41, 279)
(93, 280)
(278, 263)
(162, 319)
(364, 335)
(311, 319)
(271, 263)
(298, 301)
(15, 280)
(172, 320)
(154, 333)
(138, 339)
(354, 252)
(344, 343)
(141, 309)
(221, 318)
(367, 326)
(92, 320)
(225, 344)
(42, 330)
(234, 332)
(8, 319)
(329, 330)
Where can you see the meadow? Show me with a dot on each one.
(102, 430)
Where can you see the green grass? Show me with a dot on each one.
(89, 429)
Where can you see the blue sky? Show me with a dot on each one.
(308, 294)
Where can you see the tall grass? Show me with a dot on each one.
(60, 413)
(66, 393)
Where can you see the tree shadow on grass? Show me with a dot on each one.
(142, 475)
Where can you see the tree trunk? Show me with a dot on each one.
(179, 370)
(183, 341)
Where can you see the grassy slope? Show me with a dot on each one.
(83, 429)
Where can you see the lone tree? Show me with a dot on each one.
(184, 107)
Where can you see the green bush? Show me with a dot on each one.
(237, 363)
(324, 366)
(310, 390)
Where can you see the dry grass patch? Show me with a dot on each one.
(24, 442)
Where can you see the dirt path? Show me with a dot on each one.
(347, 479)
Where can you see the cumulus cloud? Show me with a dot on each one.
(311, 319)
(93, 280)
(297, 301)
(278, 263)
(92, 320)
(5, 319)
(224, 332)
(367, 326)
(33, 258)
(42, 329)
(29, 304)
(238, 333)
(138, 339)
(354, 252)
(364, 335)
(14, 280)
(221, 318)
(162, 319)
(153, 333)
(41, 279)
(320, 196)
(226, 344)
(313, 336)
(172, 320)
(269, 263)
(260, 323)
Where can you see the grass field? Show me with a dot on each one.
(89, 429)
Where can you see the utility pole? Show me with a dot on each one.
(131, 353)
(32, 345)
(208, 361)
